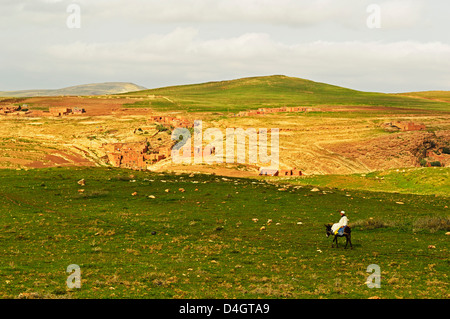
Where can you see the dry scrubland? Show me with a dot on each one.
(329, 143)
(315, 142)
(343, 134)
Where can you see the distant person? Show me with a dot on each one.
(340, 226)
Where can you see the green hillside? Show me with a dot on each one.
(271, 91)
(441, 96)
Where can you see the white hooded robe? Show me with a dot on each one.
(342, 222)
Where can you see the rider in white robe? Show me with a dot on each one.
(342, 223)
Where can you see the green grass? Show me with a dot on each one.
(426, 180)
(275, 91)
(156, 103)
(431, 95)
(206, 244)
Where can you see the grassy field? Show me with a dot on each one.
(207, 240)
(443, 96)
(272, 91)
(420, 181)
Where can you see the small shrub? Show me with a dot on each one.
(122, 178)
(446, 150)
(94, 194)
(370, 224)
(433, 224)
(436, 164)
(161, 128)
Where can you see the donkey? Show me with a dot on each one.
(347, 234)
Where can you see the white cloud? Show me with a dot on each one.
(177, 41)
(402, 13)
(294, 13)
(183, 54)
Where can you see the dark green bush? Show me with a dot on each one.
(161, 128)
(423, 162)
(436, 164)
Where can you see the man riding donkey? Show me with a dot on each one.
(340, 229)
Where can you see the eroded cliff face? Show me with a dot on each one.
(404, 149)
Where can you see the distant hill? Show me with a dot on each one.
(272, 91)
(84, 90)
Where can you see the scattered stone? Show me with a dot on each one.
(400, 203)
(152, 196)
(431, 247)
(315, 189)
(29, 295)
(134, 194)
(262, 228)
(81, 182)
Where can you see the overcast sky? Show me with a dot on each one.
(172, 42)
